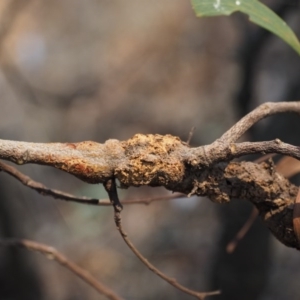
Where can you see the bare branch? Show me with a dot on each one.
(288, 167)
(113, 195)
(231, 246)
(156, 160)
(43, 190)
(85, 160)
(275, 146)
(172, 281)
(191, 133)
(52, 253)
(261, 112)
(259, 184)
(152, 160)
(147, 201)
(111, 189)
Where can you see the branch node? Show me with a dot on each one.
(111, 188)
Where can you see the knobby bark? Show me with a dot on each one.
(157, 160)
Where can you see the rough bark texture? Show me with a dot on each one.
(156, 160)
(271, 193)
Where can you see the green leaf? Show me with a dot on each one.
(258, 13)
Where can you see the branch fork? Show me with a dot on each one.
(157, 160)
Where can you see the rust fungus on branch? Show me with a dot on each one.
(157, 160)
(153, 160)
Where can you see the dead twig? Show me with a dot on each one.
(152, 160)
(113, 195)
(155, 160)
(265, 110)
(225, 148)
(52, 253)
(45, 191)
(191, 133)
(275, 146)
(243, 231)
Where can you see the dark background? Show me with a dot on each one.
(93, 70)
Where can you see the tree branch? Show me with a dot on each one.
(156, 160)
(261, 112)
(231, 246)
(45, 191)
(113, 195)
(275, 146)
(52, 253)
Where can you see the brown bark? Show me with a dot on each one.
(156, 160)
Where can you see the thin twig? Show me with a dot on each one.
(275, 146)
(45, 191)
(111, 189)
(191, 133)
(112, 192)
(52, 253)
(243, 231)
(42, 189)
(156, 160)
(261, 112)
(147, 201)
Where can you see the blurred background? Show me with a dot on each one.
(92, 70)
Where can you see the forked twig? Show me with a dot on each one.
(149, 159)
(113, 195)
(226, 148)
(52, 253)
